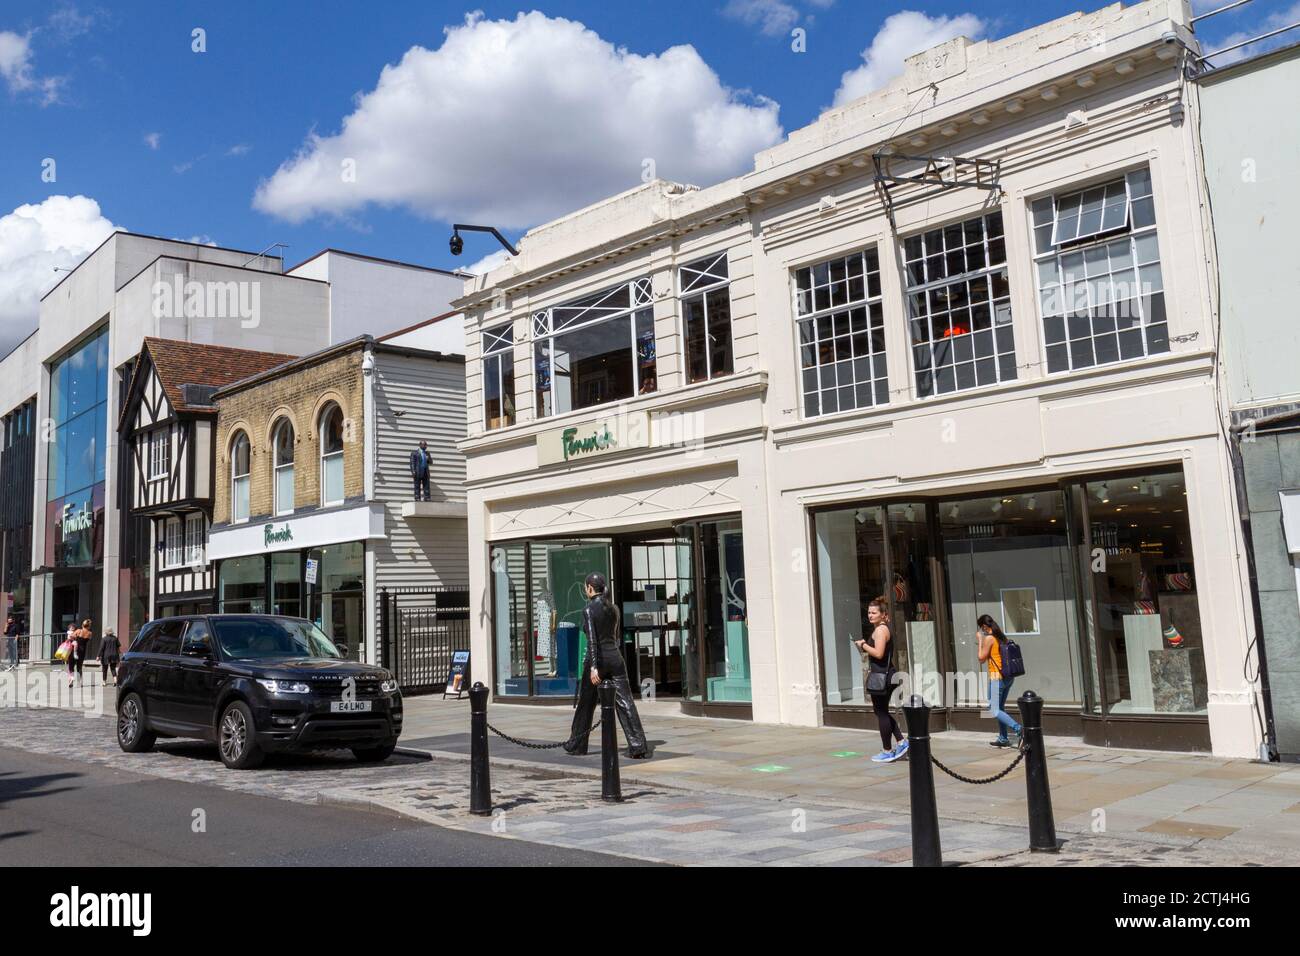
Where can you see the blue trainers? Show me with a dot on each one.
(885, 756)
(900, 750)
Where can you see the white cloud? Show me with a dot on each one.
(68, 22)
(239, 149)
(1274, 21)
(152, 140)
(772, 17)
(18, 73)
(902, 35)
(487, 263)
(512, 122)
(34, 239)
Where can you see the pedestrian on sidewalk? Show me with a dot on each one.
(992, 640)
(80, 638)
(11, 643)
(109, 655)
(878, 679)
(604, 661)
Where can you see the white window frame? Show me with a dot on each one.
(236, 479)
(1093, 287)
(811, 322)
(278, 466)
(173, 544)
(697, 279)
(1001, 310)
(586, 312)
(498, 351)
(326, 459)
(160, 454)
(196, 540)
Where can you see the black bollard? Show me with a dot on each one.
(1042, 828)
(925, 811)
(480, 778)
(609, 785)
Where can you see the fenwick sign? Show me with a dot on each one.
(271, 536)
(592, 439)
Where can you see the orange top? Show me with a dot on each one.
(995, 661)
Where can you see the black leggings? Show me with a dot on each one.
(888, 725)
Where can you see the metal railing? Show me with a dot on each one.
(419, 629)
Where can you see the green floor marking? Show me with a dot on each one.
(846, 753)
(770, 768)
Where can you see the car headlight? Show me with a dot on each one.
(388, 687)
(285, 686)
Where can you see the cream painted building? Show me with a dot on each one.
(975, 387)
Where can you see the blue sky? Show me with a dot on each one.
(173, 142)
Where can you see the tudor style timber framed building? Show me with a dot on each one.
(167, 428)
(814, 385)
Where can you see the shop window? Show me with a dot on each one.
(706, 310)
(959, 306)
(331, 455)
(286, 583)
(499, 377)
(282, 443)
(1008, 556)
(1145, 588)
(240, 452)
(841, 334)
(510, 637)
(595, 350)
(1097, 259)
(241, 585)
(160, 454)
(850, 574)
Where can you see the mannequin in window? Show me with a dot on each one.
(420, 471)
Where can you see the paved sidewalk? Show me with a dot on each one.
(1154, 797)
(735, 793)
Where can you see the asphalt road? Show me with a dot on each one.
(60, 812)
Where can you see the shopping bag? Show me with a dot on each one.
(64, 651)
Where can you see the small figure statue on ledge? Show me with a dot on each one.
(420, 462)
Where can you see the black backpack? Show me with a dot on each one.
(1013, 663)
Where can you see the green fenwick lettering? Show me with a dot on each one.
(271, 536)
(578, 446)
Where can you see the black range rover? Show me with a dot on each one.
(253, 684)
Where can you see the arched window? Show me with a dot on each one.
(282, 440)
(331, 455)
(239, 455)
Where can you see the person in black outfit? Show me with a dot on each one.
(604, 661)
(420, 471)
(110, 655)
(878, 655)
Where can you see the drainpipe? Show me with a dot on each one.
(1243, 509)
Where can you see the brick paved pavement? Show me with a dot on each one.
(659, 822)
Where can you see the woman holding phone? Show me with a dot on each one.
(878, 679)
(990, 654)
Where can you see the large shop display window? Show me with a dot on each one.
(541, 581)
(850, 574)
(338, 596)
(1008, 556)
(241, 587)
(1145, 589)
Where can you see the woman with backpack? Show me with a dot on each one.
(992, 642)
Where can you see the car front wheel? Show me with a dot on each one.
(132, 734)
(375, 754)
(236, 738)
